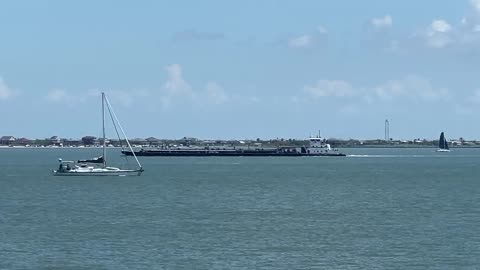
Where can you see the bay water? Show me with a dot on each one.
(374, 209)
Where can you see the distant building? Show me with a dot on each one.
(24, 141)
(7, 140)
(71, 142)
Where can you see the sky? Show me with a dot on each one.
(246, 69)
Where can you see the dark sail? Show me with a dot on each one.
(442, 143)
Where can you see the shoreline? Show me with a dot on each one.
(138, 147)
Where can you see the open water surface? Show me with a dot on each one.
(376, 209)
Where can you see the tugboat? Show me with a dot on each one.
(317, 147)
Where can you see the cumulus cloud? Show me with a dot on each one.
(382, 23)
(215, 93)
(5, 91)
(440, 26)
(438, 34)
(175, 84)
(413, 88)
(303, 41)
(177, 89)
(330, 88)
(193, 35)
(441, 34)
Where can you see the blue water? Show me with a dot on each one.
(378, 209)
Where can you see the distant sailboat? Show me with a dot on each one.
(443, 144)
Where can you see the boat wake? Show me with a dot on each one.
(396, 156)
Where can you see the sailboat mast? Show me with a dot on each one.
(103, 131)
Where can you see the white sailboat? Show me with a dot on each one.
(98, 166)
(442, 144)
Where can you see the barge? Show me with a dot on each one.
(317, 147)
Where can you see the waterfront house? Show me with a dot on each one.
(55, 140)
(71, 142)
(24, 141)
(7, 140)
(188, 141)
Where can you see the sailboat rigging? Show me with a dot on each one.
(98, 166)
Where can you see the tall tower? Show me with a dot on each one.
(387, 130)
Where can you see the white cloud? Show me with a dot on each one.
(177, 89)
(464, 34)
(328, 88)
(438, 34)
(215, 93)
(440, 26)
(175, 84)
(382, 23)
(5, 91)
(303, 41)
(411, 87)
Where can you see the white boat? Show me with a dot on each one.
(443, 144)
(98, 166)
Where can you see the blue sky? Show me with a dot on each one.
(241, 69)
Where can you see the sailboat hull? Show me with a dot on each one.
(98, 172)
